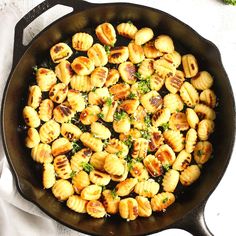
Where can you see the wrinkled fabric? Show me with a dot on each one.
(211, 18)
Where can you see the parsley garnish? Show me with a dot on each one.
(35, 68)
(113, 193)
(119, 115)
(128, 141)
(105, 142)
(87, 167)
(109, 101)
(128, 158)
(130, 22)
(138, 75)
(75, 147)
(165, 200)
(73, 173)
(144, 86)
(107, 49)
(165, 126)
(132, 95)
(166, 167)
(147, 120)
(145, 134)
(100, 115)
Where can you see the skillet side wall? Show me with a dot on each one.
(209, 58)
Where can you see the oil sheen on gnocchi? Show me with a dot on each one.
(120, 119)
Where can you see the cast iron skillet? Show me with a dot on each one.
(187, 212)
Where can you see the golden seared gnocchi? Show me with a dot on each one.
(127, 72)
(128, 208)
(190, 65)
(82, 41)
(45, 79)
(99, 76)
(127, 30)
(95, 209)
(76, 100)
(35, 96)
(49, 131)
(82, 65)
(49, 177)
(182, 161)
(120, 126)
(62, 189)
(98, 55)
(147, 188)
(112, 77)
(151, 101)
(91, 192)
(144, 206)
(42, 153)
(60, 52)
(64, 72)
(164, 44)
(189, 175)
(143, 35)
(118, 55)
(58, 92)
(90, 141)
(80, 180)
(162, 200)
(46, 110)
(77, 204)
(110, 201)
(106, 34)
(62, 167)
(135, 53)
(33, 138)
(100, 131)
(31, 117)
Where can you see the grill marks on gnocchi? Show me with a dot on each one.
(117, 128)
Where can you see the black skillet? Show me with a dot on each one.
(188, 212)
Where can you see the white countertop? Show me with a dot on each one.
(214, 21)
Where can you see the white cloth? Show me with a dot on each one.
(211, 18)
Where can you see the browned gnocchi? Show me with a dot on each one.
(121, 121)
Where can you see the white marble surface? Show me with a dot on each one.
(213, 20)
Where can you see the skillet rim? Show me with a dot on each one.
(95, 5)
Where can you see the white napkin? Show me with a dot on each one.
(17, 215)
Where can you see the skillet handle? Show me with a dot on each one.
(194, 222)
(19, 48)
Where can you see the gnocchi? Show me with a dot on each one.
(119, 125)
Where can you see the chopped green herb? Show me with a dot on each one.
(165, 200)
(132, 95)
(119, 153)
(94, 89)
(119, 115)
(128, 141)
(105, 142)
(130, 22)
(139, 159)
(166, 167)
(73, 173)
(165, 126)
(145, 134)
(113, 193)
(144, 86)
(177, 110)
(138, 75)
(230, 2)
(109, 101)
(128, 158)
(147, 120)
(35, 68)
(200, 153)
(145, 190)
(75, 147)
(82, 127)
(87, 167)
(107, 49)
(130, 165)
(101, 115)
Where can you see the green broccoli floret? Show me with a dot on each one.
(231, 2)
